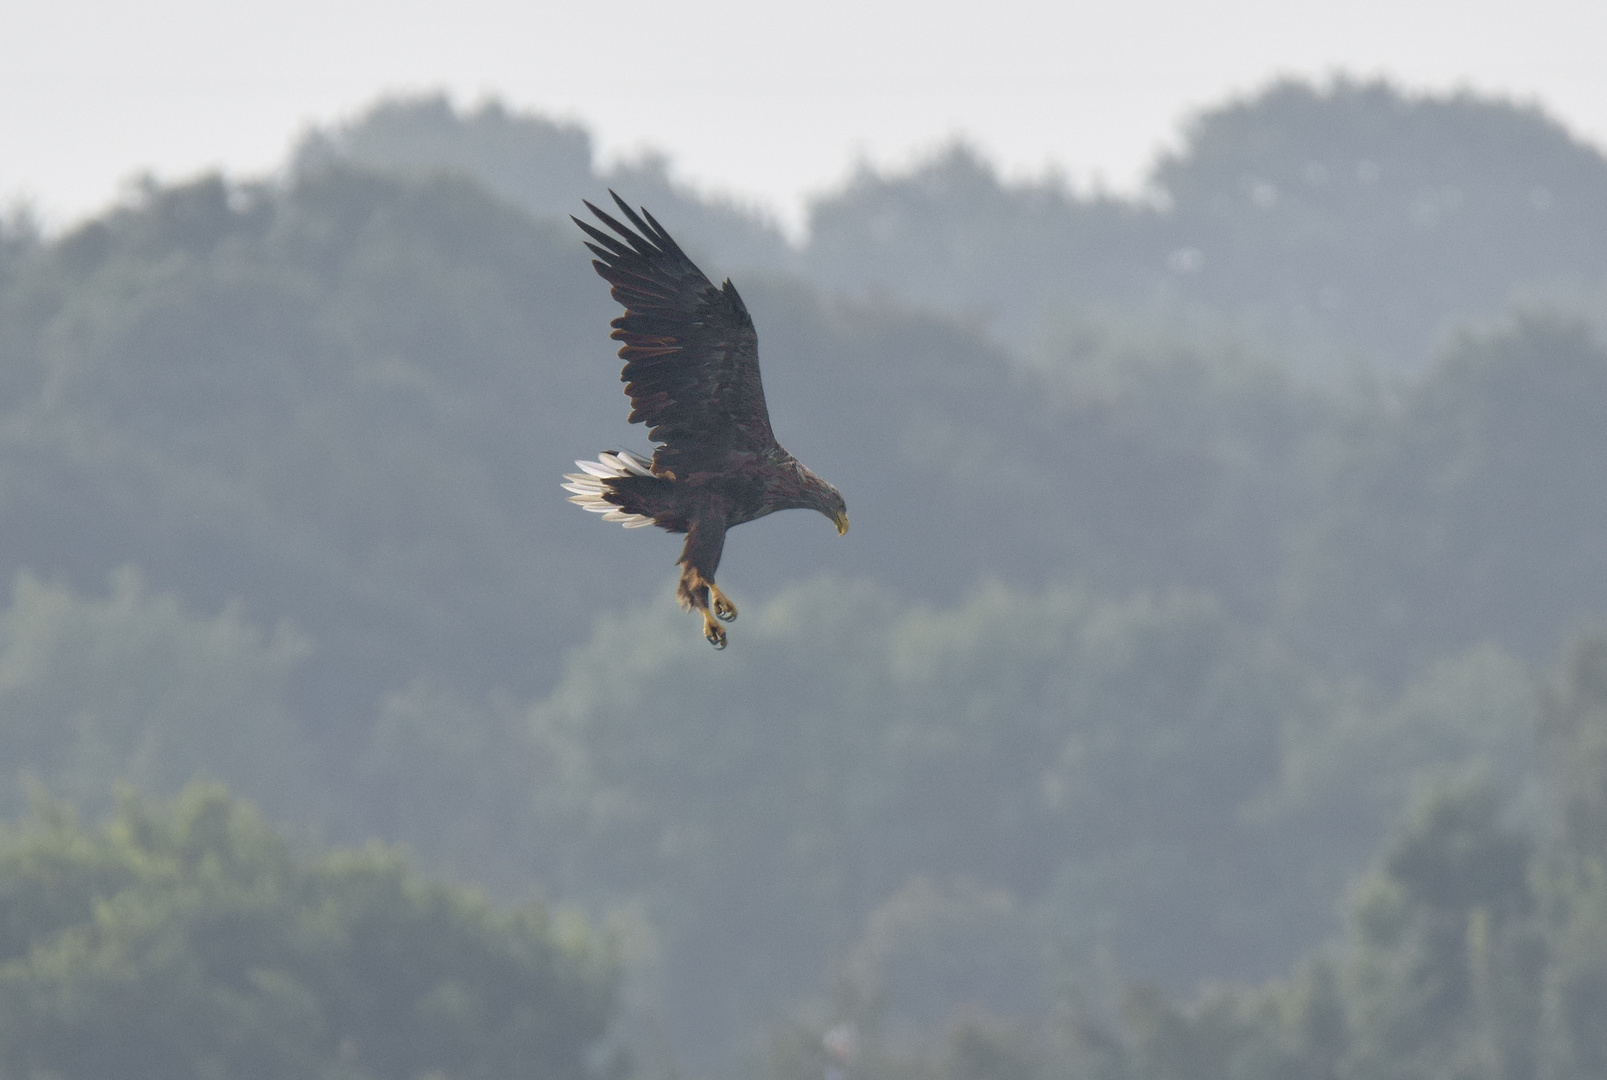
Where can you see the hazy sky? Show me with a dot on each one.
(766, 101)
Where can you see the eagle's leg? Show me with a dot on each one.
(693, 593)
(724, 609)
(699, 558)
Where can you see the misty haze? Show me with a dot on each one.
(1213, 685)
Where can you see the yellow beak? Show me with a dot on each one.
(842, 523)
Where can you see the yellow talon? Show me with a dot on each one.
(713, 631)
(724, 609)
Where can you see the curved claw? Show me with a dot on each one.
(713, 631)
(724, 609)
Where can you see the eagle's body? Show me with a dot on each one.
(692, 374)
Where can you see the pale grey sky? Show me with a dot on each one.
(768, 102)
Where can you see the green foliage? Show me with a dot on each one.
(1351, 756)
(537, 163)
(1336, 220)
(134, 689)
(1146, 639)
(1181, 454)
(1575, 733)
(1448, 967)
(540, 165)
(1383, 216)
(318, 403)
(972, 791)
(951, 236)
(191, 941)
(1475, 949)
(1575, 1047)
(1469, 513)
(1575, 890)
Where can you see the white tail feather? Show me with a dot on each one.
(590, 485)
(638, 465)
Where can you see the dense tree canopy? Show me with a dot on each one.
(1187, 547)
(190, 940)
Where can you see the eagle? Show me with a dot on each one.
(692, 375)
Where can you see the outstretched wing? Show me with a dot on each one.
(691, 354)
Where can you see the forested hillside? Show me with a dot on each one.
(1345, 223)
(1216, 565)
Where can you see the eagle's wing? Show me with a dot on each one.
(691, 354)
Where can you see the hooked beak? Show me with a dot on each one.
(841, 519)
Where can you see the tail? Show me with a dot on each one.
(595, 491)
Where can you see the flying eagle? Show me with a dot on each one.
(692, 374)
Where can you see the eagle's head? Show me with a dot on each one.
(819, 495)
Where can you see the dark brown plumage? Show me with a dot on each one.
(692, 374)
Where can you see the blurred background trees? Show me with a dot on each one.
(1212, 553)
(188, 940)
